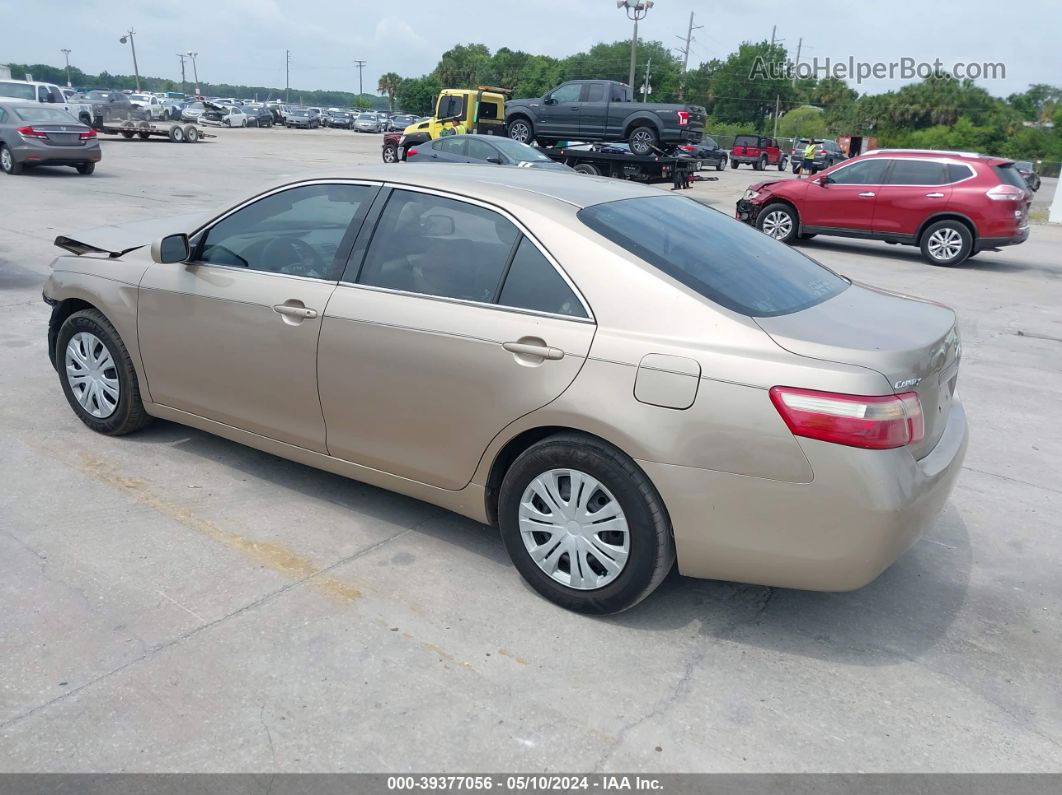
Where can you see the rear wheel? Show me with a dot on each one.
(778, 221)
(97, 375)
(946, 243)
(584, 526)
(781, 164)
(587, 168)
(761, 164)
(8, 163)
(734, 164)
(643, 141)
(521, 130)
(177, 134)
(144, 135)
(390, 153)
(191, 134)
(127, 133)
(86, 168)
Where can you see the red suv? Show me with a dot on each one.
(950, 204)
(758, 151)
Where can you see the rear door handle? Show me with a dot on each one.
(295, 311)
(868, 194)
(527, 349)
(934, 195)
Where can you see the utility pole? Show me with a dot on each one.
(361, 66)
(796, 64)
(195, 70)
(686, 53)
(773, 29)
(182, 56)
(777, 110)
(287, 76)
(136, 71)
(66, 54)
(645, 85)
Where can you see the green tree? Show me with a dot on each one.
(417, 95)
(803, 122)
(388, 84)
(464, 66)
(748, 84)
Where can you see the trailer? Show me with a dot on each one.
(604, 160)
(177, 131)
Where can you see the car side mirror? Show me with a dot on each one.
(823, 180)
(495, 160)
(172, 248)
(549, 101)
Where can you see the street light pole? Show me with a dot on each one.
(636, 10)
(136, 70)
(361, 66)
(66, 54)
(195, 71)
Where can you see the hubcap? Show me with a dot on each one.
(389, 155)
(519, 132)
(5, 159)
(574, 529)
(92, 375)
(778, 225)
(945, 244)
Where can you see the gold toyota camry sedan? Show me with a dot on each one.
(615, 376)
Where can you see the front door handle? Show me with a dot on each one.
(868, 194)
(296, 310)
(530, 349)
(934, 195)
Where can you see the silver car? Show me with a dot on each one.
(367, 122)
(41, 135)
(613, 375)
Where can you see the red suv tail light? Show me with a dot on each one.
(1005, 193)
(29, 132)
(683, 117)
(878, 422)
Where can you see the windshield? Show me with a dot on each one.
(98, 95)
(139, 97)
(300, 113)
(45, 114)
(724, 260)
(517, 151)
(367, 117)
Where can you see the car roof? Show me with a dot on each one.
(501, 185)
(990, 160)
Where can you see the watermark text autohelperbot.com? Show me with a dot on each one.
(858, 71)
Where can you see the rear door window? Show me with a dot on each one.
(907, 171)
(595, 92)
(727, 262)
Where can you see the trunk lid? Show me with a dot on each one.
(913, 343)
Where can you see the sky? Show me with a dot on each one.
(244, 41)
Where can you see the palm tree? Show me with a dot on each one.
(388, 84)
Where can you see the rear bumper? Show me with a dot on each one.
(31, 153)
(1020, 236)
(862, 510)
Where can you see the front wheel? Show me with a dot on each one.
(390, 153)
(778, 221)
(584, 526)
(97, 375)
(946, 243)
(720, 165)
(761, 164)
(522, 130)
(643, 141)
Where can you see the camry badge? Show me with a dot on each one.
(906, 383)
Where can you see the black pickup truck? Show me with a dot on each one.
(602, 110)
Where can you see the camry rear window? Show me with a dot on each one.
(727, 262)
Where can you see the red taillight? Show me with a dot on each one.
(87, 135)
(877, 422)
(822, 151)
(683, 117)
(688, 148)
(1002, 193)
(410, 152)
(29, 132)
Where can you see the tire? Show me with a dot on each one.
(619, 485)
(116, 419)
(946, 243)
(390, 153)
(144, 135)
(761, 164)
(778, 221)
(177, 134)
(720, 165)
(734, 164)
(8, 164)
(191, 134)
(522, 130)
(127, 134)
(587, 168)
(781, 164)
(86, 168)
(643, 141)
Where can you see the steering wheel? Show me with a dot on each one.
(298, 256)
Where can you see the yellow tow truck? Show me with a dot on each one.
(480, 110)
